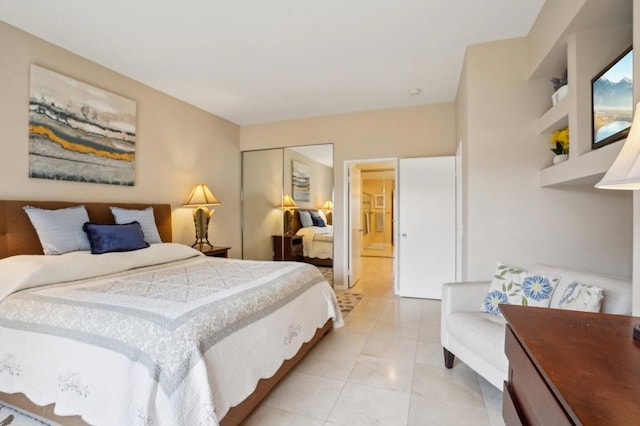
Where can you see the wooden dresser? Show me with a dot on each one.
(569, 367)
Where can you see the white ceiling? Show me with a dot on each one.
(254, 61)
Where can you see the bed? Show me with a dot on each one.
(317, 241)
(160, 335)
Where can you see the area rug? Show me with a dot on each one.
(348, 301)
(12, 416)
(327, 272)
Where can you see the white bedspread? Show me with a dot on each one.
(178, 342)
(317, 241)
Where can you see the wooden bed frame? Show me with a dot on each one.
(17, 236)
(296, 224)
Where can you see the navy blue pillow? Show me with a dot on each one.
(104, 238)
(317, 221)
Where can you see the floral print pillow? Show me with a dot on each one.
(515, 286)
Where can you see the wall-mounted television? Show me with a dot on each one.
(612, 101)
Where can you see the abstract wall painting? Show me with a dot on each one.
(301, 182)
(78, 132)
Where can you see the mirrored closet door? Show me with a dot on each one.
(287, 204)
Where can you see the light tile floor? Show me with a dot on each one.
(384, 367)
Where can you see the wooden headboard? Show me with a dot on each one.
(18, 236)
(296, 224)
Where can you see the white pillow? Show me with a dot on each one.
(60, 231)
(582, 297)
(305, 218)
(323, 216)
(515, 286)
(144, 217)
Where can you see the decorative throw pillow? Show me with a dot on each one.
(305, 218)
(323, 216)
(515, 286)
(145, 217)
(582, 297)
(60, 231)
(105, 238)
(317, 221)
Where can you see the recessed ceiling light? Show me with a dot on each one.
(415, 92)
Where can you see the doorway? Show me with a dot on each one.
(371, 200)
(418, 207)
(378, 213)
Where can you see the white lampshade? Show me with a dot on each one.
(328, 205)
(624, 173)
(201, 196)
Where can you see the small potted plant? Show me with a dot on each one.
(560, 145)
(560, 86)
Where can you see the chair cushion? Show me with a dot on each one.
(481, 331)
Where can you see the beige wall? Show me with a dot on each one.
(422, 131)
(508, 216)
(177, 145)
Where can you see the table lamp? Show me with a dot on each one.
(328, 208)
(200, 198)
(624, 173)
(287, 204)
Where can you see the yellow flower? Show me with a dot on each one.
(560, 141)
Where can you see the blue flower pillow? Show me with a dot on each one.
(515, 286)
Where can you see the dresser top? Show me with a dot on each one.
(591, 362)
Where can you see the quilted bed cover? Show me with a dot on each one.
(159, 336)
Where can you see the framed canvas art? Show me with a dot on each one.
(379, 201)
(78, 132)
(300, 181)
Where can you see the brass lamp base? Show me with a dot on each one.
(287, 222)
(201, 217)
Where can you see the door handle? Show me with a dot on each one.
(404, 235)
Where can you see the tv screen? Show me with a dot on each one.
(612, 101)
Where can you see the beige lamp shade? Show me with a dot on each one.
(201, 196)
(624, 173)
(287, 202)
(328, 205)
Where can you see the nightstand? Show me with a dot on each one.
(287, 247)
(217, 252)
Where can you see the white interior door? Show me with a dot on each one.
(427, 225)
(355, 223)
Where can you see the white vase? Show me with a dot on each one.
(559, 94)
(560, 158)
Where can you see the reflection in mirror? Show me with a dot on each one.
(286, 190)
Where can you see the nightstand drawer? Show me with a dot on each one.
(287, 247)
(296, 247)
